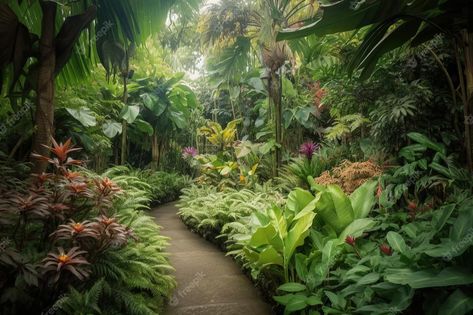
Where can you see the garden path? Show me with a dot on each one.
(209, 283)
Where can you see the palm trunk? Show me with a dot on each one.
(275, 96)
(44, 117)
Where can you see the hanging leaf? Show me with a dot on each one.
(129, 113)
(84, 115)
(111, 128)
(143, 126)
(153, 103)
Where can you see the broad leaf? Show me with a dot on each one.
(363, 199)
(429, 278)
(84, 115)
(111, 128)
(129, 113)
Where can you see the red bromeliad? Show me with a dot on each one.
(385, 249)
(71, 261)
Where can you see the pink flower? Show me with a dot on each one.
(189, 152)
(308, 149)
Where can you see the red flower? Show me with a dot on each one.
(412, 205)
(350, 240)
(379, 191)
(385, 249)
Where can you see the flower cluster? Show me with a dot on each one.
(189, 152)
(308, 149)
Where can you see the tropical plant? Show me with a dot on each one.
(401, 22)
(207, 211)
(256, 24)
(73, 228)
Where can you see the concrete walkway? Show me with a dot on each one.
(209, 283)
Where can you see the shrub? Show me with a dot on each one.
(72, 240)
(162, 187)
(206, 210)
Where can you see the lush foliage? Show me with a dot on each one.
(161, 187)
(73, 240)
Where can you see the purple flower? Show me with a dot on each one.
(308, 148)
(189, 152)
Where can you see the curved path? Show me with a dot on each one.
(209, 283)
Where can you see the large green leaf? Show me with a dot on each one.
(297, 234)
(143, 126)
(458, 303)
(396, 241)
(153, 103)
(341, 16)
(84, 115)
(130, 113)
(269, 256)
(425, 141)
(111, 128)
(334, 207)
(298, 199)
(429, 278)
(363, 199)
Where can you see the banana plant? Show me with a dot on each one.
(281, 231)
(165, 104)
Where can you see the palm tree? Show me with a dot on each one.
(251, 30)
(111, 25)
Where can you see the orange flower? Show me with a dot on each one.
(63, 258)
(71, 175)
(78, 227)
(62, 150)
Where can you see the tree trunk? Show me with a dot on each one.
(124, 144)
(154, 151)
(44, 117)
(468, 55)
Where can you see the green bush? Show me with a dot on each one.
(162, 187)
(206, 210)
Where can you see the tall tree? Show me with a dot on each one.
(252, 29)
